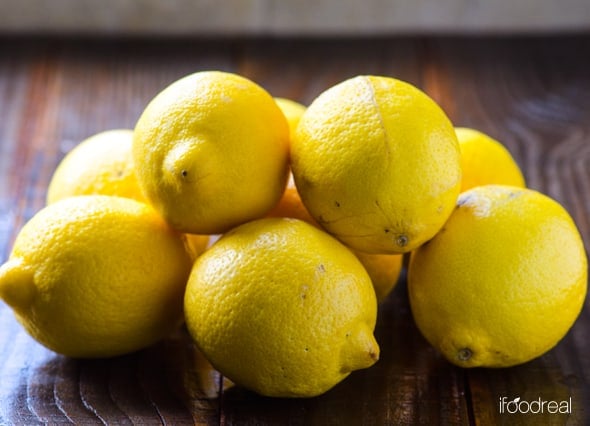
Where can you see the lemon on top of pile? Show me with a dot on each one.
(503, 281)
(282, 308)
(96, 276)
(376, 162)
(486, 161)
(211, 151)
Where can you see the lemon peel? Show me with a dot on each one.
(376, 162)
(100, 164)
(503, 281)
(211, 152)
(96, 276)
(485, 161)
(17, 287)
(282, 308)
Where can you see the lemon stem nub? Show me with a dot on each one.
(465, 354)
(361, 350)
(402, 240)
(17, 288)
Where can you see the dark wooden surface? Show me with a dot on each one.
(533, 94)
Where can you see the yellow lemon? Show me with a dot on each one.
(96, 276)
(282, 308)
(384, 269)
(211, 152)
(486, 161)
(101, 164)
(502, 282)
(376, 162)
(196, 244)
(292, 111)
(290, 205)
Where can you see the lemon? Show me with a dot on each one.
(282, 308)
(384, 269)
(376, 162)
(290, 205)
(96, 276)
(196, 244)
(101, 164)
(486, 161)
(502, 282)
(211, 152)
(292, 111)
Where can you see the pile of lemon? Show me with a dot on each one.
(315, 208)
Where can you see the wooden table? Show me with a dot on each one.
(532, 94)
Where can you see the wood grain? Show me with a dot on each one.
(532, 94)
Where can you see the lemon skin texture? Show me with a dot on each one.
(485, 161)
(96, 276)
(376, 162)
(502, 282)
(211, 152)
(384, 269)
(282, 308)
(101, 164)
